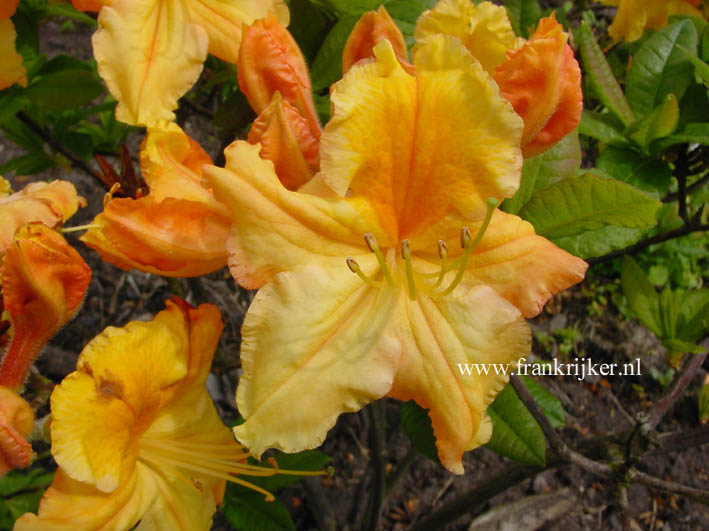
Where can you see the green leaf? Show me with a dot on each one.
(28, 164)
(693, 319)
(696, 133)
(660, 68)
(406, 12)
(65, 89)
(661, 122)
(327, 65)
(28, 478)
(642, 297)
(648, 174)
(515, 433)
(677, 346)
(576, 213)
(602, 127)
(67, 10)
(417, 425)
(308, 26)
(352, 7)
(601, 78)
(546, 169)
(548, 403)
(701, 69)
(247, 510)
(524, 16)
(703, 402)
(11, 102)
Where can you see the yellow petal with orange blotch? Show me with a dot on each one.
(70, 504)
(279, 229)
(484, 29)
(150, 54)
(418, 148)
(49, 203)
(120, 396)
(303, 368)
(223, 21)
(11, 68)
(469, 326)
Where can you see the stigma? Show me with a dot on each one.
(430, 284)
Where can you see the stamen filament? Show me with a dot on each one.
(77, 228)
(406, 256)
(354, 267)
(443, 253)
(468, 245)
(371, 242)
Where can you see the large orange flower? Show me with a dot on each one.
(410, 165)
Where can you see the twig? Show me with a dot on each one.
(623, 506)
(673, 393)
(681, 173)
(399, 472)
(642, 244)
(674, 196)
(675, 442)
(377, 442)
(600, 469)
(702, 496)
(198, 108)
(44, 135)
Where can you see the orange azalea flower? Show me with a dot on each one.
(150, 52)
(178, 229)
(540, 77)
(43, 285)
(635, 16)
(274, 77)
(16, 423)
(371, 28)
(134, 432)
(11, 67)
(410, 164)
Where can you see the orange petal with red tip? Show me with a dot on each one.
(16, 423)
(372, 27)
(269, 62)
(542, 80)
(90, 5)
(286, 140)
(172, 237)
(49, 203)
(44, 281)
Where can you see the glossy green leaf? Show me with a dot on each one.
(524, 15)
(546, 169)
(661, 122)
(697, 133)
(417, 426)
(515, 433)
(577, 213)
(308, 26)
(646, 173)
(601, 78)
(660, 68)
(247, 510)
(701, 69)
(602, 127)
(327, 65)
(65, 89)
(642, 297)
(549, 404)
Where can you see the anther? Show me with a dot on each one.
(406, 256)
(465, 237)
(373, 246)
(354, 267)
(443, 253)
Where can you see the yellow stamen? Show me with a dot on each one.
(354, 267)
(371, 242)
(443, 253)
(468, 245)
(79, 227)
(406, 256)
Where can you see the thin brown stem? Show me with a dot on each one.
(699, 495)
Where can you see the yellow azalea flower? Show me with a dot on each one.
(11, 68)
(150, 52)
(178, 229)
(364, 292)
(16, 423)
(43, 285)
(635, 16)
(540, 77)
(135, 434)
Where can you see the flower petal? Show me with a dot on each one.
(277, 229)
(473, 326)
(419, 147)
(90, 5)
(542, 80)
(11, 68)
(174, 237)
(16, 423)
(8, 7)
(302, 369)
(223, 21)
(484, 29)
(149, 54)
(49, 203)
(372, 27)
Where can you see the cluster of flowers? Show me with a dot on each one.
(383, 224)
